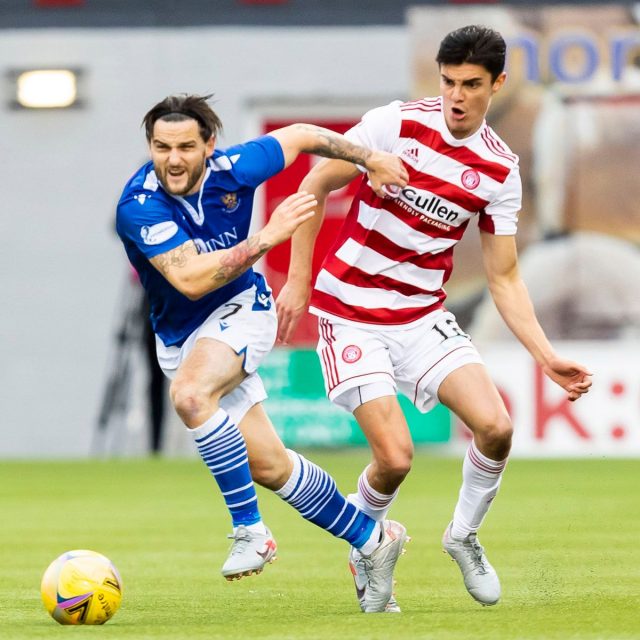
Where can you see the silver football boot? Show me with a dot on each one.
(373, 574)
(480, 578)
(249, 553)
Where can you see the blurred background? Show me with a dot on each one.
(76, 378)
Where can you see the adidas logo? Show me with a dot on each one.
(411, 154)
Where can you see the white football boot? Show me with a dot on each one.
(249, 552)
(373, 575)
(480, 578)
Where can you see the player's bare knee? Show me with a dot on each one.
(190, 401)
(395, 466)
(495, 438)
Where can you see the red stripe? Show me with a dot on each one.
(324, 328)
(433, 139)
(329, 368)
(328, 353)
(422, 105)
(430, 102)
(500, 144)
(359, 278)
(378, 316)
(493, 146)
(475, 460)
(389, 249)
(330, 329)
(446, 190)
(331, 354)
(432, 109)
(485, 222)
(371, 499)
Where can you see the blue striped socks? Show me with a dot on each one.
(224, 451)
(313, 493)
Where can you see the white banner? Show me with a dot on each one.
(605, 422)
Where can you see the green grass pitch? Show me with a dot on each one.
(563, 536)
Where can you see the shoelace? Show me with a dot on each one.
(476, 551)
(241, 540)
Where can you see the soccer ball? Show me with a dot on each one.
(81, 587)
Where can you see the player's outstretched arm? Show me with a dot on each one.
(195, 275)
(383, 168)
(512, 300)
(293, 300)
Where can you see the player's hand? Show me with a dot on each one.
(291, 304)
(574, 378)
(386, 170)
(287, 217)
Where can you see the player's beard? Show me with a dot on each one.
(193, 176)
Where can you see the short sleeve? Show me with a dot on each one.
(148, 223)
(257, 160)
(379, 128)
(500, 216)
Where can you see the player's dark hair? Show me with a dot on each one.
(474, 44)
(184, 107)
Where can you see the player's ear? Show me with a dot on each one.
(498, 82)
(210, 146)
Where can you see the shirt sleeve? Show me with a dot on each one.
(257, 160)
(378, 129)
(148, 223)
(500, 216)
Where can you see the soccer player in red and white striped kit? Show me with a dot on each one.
(380, 299)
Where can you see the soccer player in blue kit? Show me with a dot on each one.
(184, 220)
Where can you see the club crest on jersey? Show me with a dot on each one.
(230, 201)
(470, 179)
(141, 197)
(351, 354)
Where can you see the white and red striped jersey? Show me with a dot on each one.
(392, 257)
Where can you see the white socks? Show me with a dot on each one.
(481, 478)
(372, 502)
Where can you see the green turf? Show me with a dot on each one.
(562, 534)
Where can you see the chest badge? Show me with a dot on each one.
(470, 179)
(230, 201)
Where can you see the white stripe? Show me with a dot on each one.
(356, 255)
(221, 163)
(338, 516)
(339, 535)
(240, 504)
(399, 232)
(219, 473)
(370, 298)
(246, 486)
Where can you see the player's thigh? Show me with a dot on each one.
(383, 423)
(471, 394)
(211, 367)
(230, 344)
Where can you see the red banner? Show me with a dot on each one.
(276, 190)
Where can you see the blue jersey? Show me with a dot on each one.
(150, 222)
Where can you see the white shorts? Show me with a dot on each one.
(248, 331)
(414, 360)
